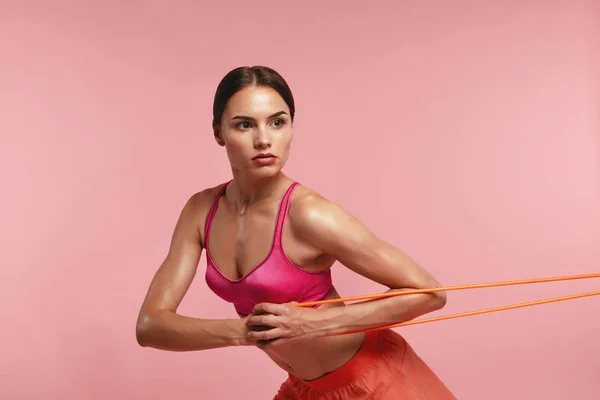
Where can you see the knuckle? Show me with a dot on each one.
(260, 335)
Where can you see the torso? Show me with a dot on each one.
(237, 246)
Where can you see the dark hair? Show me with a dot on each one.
(242, 77)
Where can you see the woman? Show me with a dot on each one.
(270, 242)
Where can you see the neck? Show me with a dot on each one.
(245, 191)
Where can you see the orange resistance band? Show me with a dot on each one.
(461, 287)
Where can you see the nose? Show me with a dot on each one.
(262, 139)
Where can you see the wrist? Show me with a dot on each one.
(240, 333)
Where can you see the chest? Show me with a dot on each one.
(240, 242)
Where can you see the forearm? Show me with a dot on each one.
(166, 330)
(376, 313)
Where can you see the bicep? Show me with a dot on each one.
(176, 273)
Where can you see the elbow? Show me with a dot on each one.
(440, 300)
(435, 300)
(143, 330)
(439, 297)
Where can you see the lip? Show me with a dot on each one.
(265, 159)
(264, 155)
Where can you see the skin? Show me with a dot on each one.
(317, 233)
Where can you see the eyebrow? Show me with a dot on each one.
(277, 114)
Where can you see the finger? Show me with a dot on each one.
(266, 344)
(273, 343)
(268, 308)
(262, 320)
(274, 333)
(258, 328)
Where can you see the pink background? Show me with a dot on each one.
(467, 134)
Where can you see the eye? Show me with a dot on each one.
(243, 125)
(278, 123)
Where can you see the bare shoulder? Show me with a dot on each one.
(307, 204)
(319, 219)
(202, 200)
(197, 207)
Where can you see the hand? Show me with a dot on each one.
(279, 324)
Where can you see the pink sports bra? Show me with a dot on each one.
(275, 280)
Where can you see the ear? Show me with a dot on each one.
(218, 135)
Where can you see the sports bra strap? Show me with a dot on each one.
(212, 212)
(282, 213)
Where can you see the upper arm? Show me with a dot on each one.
(335, 232)
(176, 273)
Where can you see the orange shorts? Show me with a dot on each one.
(385, 367)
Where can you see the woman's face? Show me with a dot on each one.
(256, 130)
